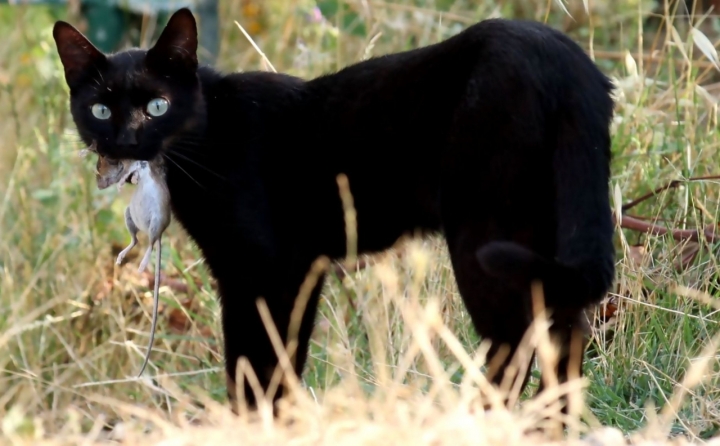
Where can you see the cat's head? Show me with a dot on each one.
(131, 104)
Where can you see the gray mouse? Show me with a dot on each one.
(149, 212)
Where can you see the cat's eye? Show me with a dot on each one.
(100, 111)
(157, 107)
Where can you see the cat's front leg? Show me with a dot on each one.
(245, 333)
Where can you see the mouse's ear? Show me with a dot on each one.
(78, 56)
(177, 45)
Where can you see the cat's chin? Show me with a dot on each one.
(122, 153)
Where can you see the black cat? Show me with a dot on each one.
(498, 137)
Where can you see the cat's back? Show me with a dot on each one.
(393, 105)
(390, 103)
(395, 125)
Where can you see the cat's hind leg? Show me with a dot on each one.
(500, 313)
(519, 266)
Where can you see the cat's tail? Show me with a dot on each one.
(583, 267)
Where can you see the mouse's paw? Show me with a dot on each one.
(121, 256)
(143, 265)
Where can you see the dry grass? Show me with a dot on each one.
(394, 359)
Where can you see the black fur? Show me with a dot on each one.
(498, 137)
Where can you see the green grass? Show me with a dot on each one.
(68, 319)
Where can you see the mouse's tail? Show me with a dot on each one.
(156, 302)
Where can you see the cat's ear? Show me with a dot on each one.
(76, 52)
(177, 45)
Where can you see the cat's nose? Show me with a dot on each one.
(127, 137)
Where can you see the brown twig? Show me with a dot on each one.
(644, 218)
(672, 184)
(634, 224)
(647, 225)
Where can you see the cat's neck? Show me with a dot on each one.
(239, 112)
(208, 76)
(245, 82)
(244, 106)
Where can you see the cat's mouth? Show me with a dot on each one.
(118, 153)
(105, 176)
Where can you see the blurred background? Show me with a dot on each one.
(74, 326)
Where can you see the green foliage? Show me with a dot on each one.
(339, 12)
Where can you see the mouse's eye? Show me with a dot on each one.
(100, 111)
(157, 107)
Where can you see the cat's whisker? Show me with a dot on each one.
(187, 148)
(167, 157)
(186, 137)
(186, 144)
(188, 159)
